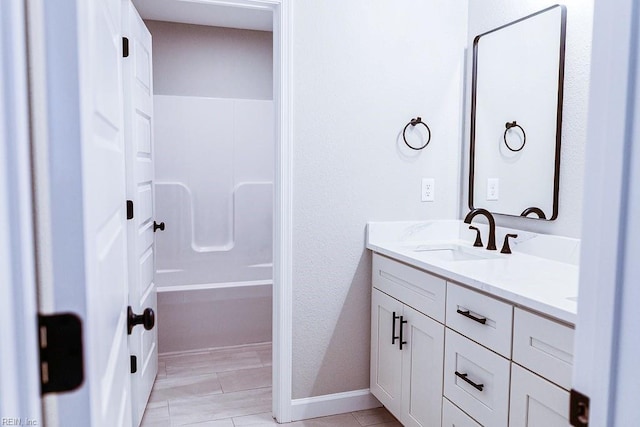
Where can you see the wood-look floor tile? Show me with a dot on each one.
(156, 415)
(162, 369)
(343, 420)
(233, 361)
(180, 387)
(211, 362)
(219, 406)
(266, 356)
(245, 379)
(227, 422)
(188, 364)
(373, 416)
(258, 420)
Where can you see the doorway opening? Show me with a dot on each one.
(217, 150)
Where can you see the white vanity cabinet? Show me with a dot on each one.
(535, 401)
(545, 347)
(407, 346)
(443, 354)
(452, 416)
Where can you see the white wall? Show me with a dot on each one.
(196, 60)
(486, 15)
(362, 70)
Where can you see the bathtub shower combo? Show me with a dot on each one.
(214, 191)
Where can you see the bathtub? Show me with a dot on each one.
(193, 317)
(213, 189)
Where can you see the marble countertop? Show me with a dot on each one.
(541, 273)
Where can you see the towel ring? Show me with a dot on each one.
(533, 210)
(508, 126)
(414, 122)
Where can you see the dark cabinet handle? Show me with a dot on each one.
(158, 226)
(147, 319)
(466, 313)
(468, 381)
(393, 329)
(402, 322)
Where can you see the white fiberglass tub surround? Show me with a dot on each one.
(218, 316)
(214, 192)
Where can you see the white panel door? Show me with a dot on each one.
(386, 358)
(422, 367)
(19, 356)
(138, 121)
(75, 47)
(104, 213)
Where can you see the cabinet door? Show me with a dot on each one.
(422, 364)
(386, 358)
(536, 402)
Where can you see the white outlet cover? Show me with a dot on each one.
(493, 189)
(428, 190)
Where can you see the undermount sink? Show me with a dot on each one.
(454, 252)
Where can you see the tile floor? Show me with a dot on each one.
(230, 387)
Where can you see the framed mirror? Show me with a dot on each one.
(516, 116)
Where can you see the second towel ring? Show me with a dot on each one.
(414, 122)
(508, 126)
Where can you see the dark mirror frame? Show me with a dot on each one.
(474, 81)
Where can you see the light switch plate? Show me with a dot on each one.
(428, 190)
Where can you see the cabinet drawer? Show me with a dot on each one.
(481, 318)
(422, 291)
(452, 416)
(543, 346)
(536, 402)
(488, 403)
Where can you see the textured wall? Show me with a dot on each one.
(196, 60)
(362, 70)
(489, 14)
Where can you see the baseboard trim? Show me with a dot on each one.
(333, 404)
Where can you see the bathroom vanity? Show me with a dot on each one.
(463, 336)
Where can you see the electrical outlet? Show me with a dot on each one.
(428, 189)
(493, 188)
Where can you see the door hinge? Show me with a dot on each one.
(61, 354)
(129, 209)
(125, 47)
(578, 409)
(134, 364)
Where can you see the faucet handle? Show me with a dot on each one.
(478, 241)
(505, 246)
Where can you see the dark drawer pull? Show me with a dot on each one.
(466, 313)
(402, 322)
(468, 381)
(393, 329)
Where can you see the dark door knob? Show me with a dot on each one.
(156, 226)
(147, 319)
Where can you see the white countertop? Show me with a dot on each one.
(541, 273)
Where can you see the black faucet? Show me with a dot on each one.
(491, 244)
